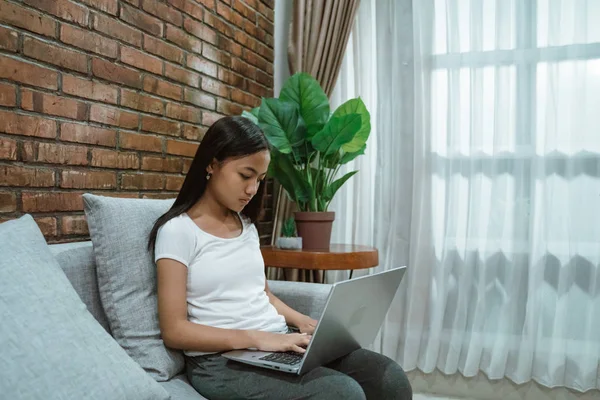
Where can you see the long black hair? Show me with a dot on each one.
(229, 137)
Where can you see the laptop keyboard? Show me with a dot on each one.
(289, 358)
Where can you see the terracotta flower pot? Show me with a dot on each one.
(315, 229)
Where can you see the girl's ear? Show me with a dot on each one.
(211, 167)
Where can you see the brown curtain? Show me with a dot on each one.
(318, 38)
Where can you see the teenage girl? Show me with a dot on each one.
(213, 295)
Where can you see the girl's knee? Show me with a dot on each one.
(340, 387)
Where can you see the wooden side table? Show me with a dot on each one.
(339, 257)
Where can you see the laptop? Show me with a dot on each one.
(353, 315)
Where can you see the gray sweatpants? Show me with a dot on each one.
(361, 374)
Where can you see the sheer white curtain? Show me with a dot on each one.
(489, 188)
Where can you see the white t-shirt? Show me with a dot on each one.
(226, 277)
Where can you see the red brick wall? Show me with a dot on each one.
(113, 96)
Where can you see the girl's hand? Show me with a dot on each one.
(307, 325)
(268, 341)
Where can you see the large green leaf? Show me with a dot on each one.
(281, 124)
(356, 106)
(282, 168)
(250, 116)
(341, 157)
(338, 131)
(305, 91)
(335, 185)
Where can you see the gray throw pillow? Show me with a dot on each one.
(126, 274)
(51, 346)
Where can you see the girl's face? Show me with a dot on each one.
(234, 182)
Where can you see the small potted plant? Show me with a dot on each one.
(288, 239)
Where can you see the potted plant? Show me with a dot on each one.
(309, 144)
(288, 239)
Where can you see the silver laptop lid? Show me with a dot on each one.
(353, 315)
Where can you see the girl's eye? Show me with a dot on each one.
(244, 177)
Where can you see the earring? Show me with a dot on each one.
(208, 176)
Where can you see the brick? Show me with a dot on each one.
(269, 3)
(105, 158)
(8, 202)
(183, 113)
(51, 201)
(135, 3)
(163, 49)
(88, 180)
(161, 164)
(116, 73)
(30, 74)
(215, 22)
(252, 3)
(200, 99)
(19, 124)
(250, 28)
(162, 11)
(12, 175)
(188, 7)
(183, 40)
(200, 30)
(138, 141)
(160, 196)
(224, 11)
(143, 181)
(8, 39)
(265, 52)
(141, 60)
(232, 78)
(215, 87)
(88, 41)
(108, 6)
(182, 75)
(47, 225)
(187, 163)
(266, 11)
(162, 88)
(176, 147)
(141, 20)
(74, 225)
(229, 46)
(157, 125)
(117, 30)
(261, 35)
(174, 182)
(8, 149)
(265, 79)
(215, 55)
(30, 20)
(51, 54)
(193, 132)
(208, 4)
(257, 61)
(257, 90)
(89, 89)
(63, 9)
(243, 68)
(8, 95)
(228, 108)
(244, 98)
(83, 133)
(55, 153)
(203, 66)
(45, 103)
(113, 116)
(209, 118)
(245, 40)
(141, 102)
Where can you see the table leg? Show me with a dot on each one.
(324, 275)
(350, 277)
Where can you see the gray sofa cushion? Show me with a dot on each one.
(51, 346)
(126, 275)
(77, 262)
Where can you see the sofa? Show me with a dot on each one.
(79, 320)
(77, 261)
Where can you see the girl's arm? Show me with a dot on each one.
(292, 317)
